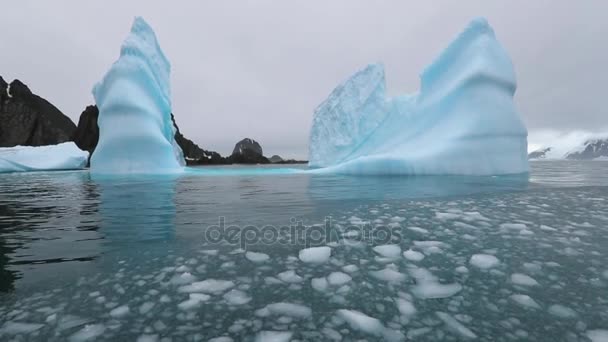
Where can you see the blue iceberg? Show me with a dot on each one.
(136, 134)
(463, 121)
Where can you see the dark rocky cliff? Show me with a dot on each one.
(27, 119)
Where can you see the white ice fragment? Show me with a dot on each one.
(194, 301)
(289, 309)
(146, 307)
(273, 336)
(290, 276)
(523, 280)
(237, 297)
(147, 338)
(562, 311)
(221, 339)
(212, 286)
(389, 275)
(362, 322)
(418, 230)
(338, 278)
(256, 257)
(315, 255)
(525, 301)
(120, 311)
(388, 251)
(181, 279)
(319, 284)
(455, 326)
(90, 332)
(484, 261)
(14, 328)
(405, 307)
(412, 255)
(597, 335)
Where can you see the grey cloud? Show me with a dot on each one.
(259, 68)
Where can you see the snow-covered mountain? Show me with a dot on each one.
(577, 148)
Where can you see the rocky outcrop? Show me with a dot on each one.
(539, 154)
(248, 151)
(87, 131)
(193, 154)
(29, 120)
(275, 159)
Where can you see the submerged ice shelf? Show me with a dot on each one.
(462, 121)
(134, 96)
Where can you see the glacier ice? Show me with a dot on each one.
(462, 121)
(65, 156)
(136, 134)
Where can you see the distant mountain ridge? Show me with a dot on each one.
(589, 149)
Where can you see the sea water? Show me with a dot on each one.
(223, 252)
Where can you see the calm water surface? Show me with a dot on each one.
(197, 257)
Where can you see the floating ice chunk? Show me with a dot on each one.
(146, 307)
(428, 287)
(134, 103)
(14, 328)
(418, 230)
(433, 290)
(405, 307)
(256, 257)
(388, 274)
(65, 156)
(484, 261)
(455, 326)
(289, 309)
(194, 301)
(338, 278)
(90, 332)
(525, 301)
(290, 276)
(523, 280)
(237, 297)
(181, 279)
(388, 251)
(212, 286)
(369, 325)
(273, 336)
(362, 322)
(120, 311)
(598, 335)
(412, 255)
(446, 216)
(350, 268)
(562, 311)
(221, 339)
(514, 226)
(319, 284)
(315, 255)
(147, 338)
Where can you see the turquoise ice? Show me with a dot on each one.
(462, 121)
(136, 134)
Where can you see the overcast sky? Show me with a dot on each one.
(259, 68)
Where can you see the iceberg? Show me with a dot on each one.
(136, 134)
(65, 156)
(462, 121)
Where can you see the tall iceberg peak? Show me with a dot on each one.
(136, 134)
(462, 121)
